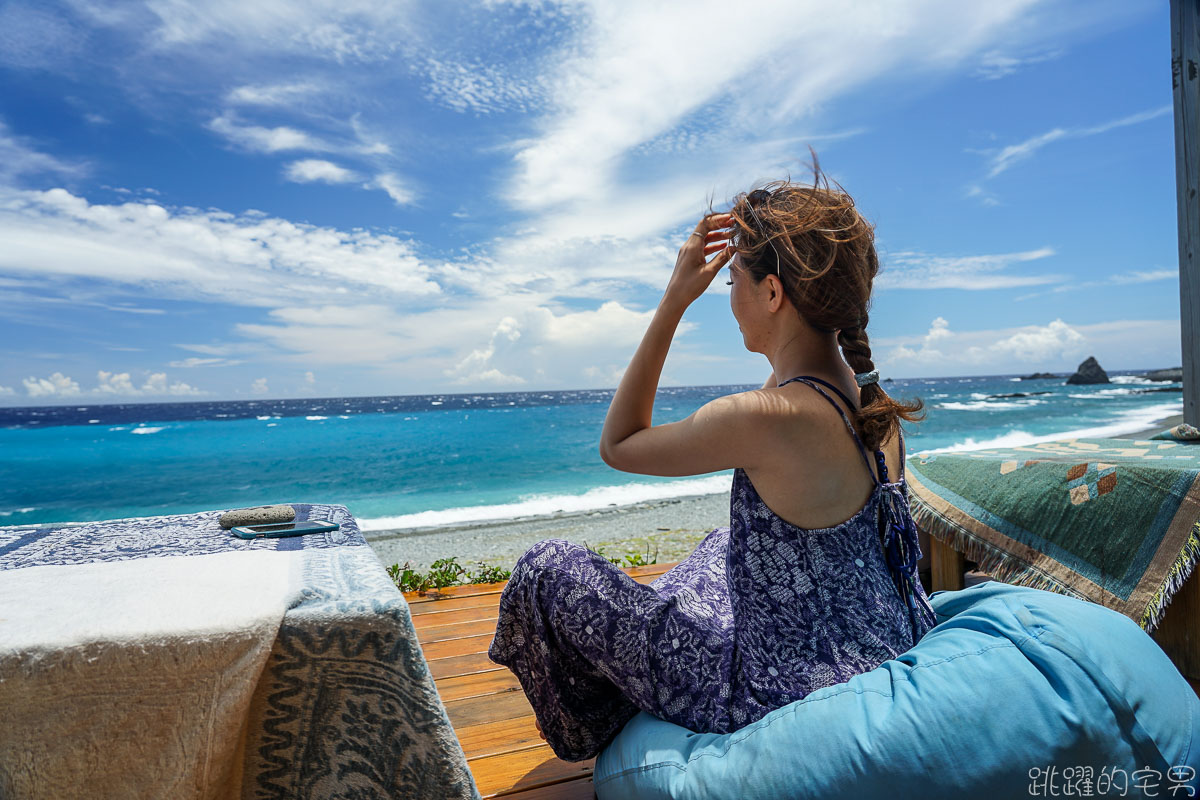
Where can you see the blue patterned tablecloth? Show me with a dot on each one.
(345, 705)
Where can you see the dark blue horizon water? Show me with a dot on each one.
(418, 460)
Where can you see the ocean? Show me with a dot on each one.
(439, 460)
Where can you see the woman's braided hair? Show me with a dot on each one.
(823, 252)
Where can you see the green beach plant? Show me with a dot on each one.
(443, 573)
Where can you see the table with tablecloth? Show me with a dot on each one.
(1112, 521)
(164, 657)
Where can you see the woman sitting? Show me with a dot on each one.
(814, 581)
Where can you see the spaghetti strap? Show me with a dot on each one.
(828, 385)
(903, 452)
(849, 425)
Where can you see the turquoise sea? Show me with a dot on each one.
(415, 461)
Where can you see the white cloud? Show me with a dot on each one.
(19, 157)
(1035, 344)
(911, 270)
(1057, 345)
(310, 379)
(1118, 279)
(252, 259)
(121, 383)
(1006, 157)
(259, 386)
(541, 342)
(279, 94)
(266, 140)
(344, 31)
(7, 391)
(641, 70)
(188, 363)
(396, 188)
(482, 88)
(476, 369)
(1145, 276)
(57, 385)
(33, 38)
(502, 341)
(313, 169)
(995, 64)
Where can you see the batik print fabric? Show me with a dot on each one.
(758, 616)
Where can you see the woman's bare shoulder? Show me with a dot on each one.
(764, 407)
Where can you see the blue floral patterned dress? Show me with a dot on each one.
(759, 615)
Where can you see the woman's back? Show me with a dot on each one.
(810, 471)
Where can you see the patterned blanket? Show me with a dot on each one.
(1113, 521)
(164, 657)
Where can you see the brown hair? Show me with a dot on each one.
(823, 251)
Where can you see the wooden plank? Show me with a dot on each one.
(469, 590)
(1178, 633)
(946, 565)
(477, 589)
(487, 708)
(525, 769)
(486, 601)
(461, 665)
(578, 789)
(479, 683)
(423, 621)
(455, 604)
(439, 633)
(500, 736)
(463, 645)
(1185, 89)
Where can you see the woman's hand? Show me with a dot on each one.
(693, 273)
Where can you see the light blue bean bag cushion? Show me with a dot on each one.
(1011, 682)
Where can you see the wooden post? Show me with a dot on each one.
(946, 566)
(1179, 631)
(1185, 86)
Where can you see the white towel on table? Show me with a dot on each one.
(133, 678)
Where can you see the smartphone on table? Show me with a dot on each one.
(275, 530)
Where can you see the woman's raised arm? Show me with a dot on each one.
(700, 443)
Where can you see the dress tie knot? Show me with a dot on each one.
(902, 550)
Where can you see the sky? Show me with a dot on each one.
(236, 199)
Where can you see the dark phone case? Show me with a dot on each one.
(298, 529)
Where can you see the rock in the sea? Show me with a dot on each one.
(1170, 375)
(1089, 371)
(259, 515)
(1039, 376)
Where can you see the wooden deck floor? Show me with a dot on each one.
(490, 714)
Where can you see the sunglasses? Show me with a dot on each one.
(760, 197)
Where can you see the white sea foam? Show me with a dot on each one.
(992, 405)
(92, 421)
(145, 429)
(272, 424)
(1103, 393)
(315, 417)
(1129, 421)
(266, 416)
(17, 511)
(549, 505)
